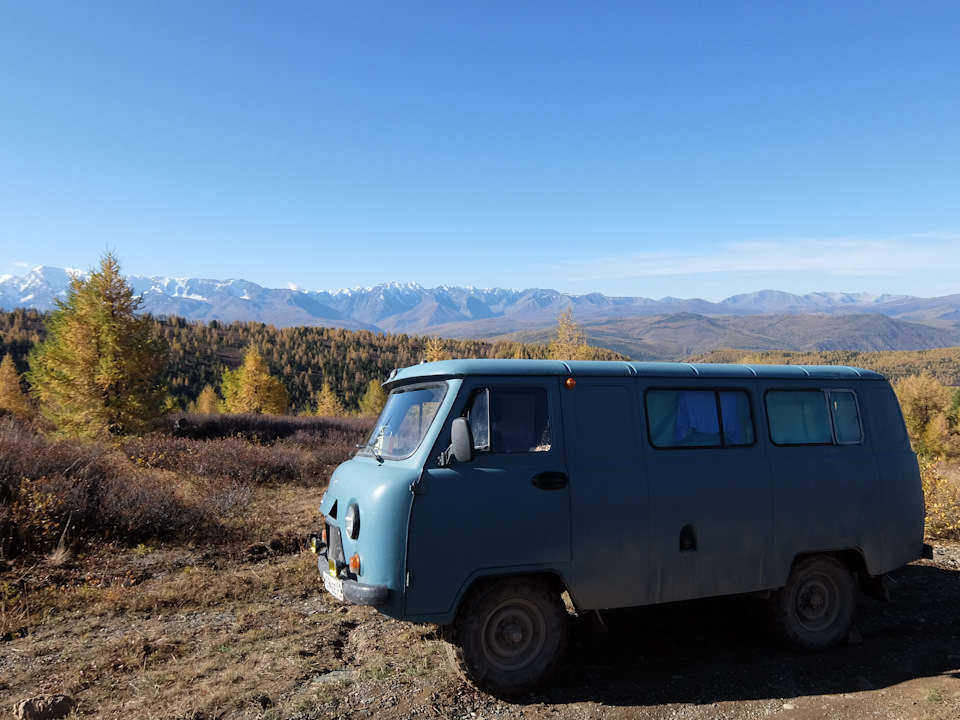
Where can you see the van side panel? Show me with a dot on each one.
(608, 493)
(902, 515)
(711, 520)
(826, 497)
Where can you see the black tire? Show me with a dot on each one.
(509, 635)
(815, 609)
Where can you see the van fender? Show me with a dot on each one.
(554, 578)
(872, 585)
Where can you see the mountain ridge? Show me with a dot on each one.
(648, 327)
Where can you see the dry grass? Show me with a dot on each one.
(213, 611)
(202, 631)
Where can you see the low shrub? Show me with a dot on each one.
(231, 457)
(52, 489)
(159, 486)
(252, 449)
(266, 428)
(942, 498)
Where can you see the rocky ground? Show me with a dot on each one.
(711, 659)
(168, 646)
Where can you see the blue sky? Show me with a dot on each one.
(674, 148)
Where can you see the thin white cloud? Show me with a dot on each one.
(18, 266)
(845, 256)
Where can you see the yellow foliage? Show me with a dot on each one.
(373, 400)
(36, 515)
(207, 402)
(12, 397)
(570, 342)
(436, 350)
(252, 389)
(942, 498)
(328, 405)
(925, 402)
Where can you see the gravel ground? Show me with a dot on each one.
(712, 659)
(302, 656)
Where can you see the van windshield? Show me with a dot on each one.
(404, 422)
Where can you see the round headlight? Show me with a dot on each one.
(352, 521)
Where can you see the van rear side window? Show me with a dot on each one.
(814, 417)
(699, 418)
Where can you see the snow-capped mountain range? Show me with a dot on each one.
(466, 312)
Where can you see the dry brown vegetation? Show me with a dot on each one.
(66, 492)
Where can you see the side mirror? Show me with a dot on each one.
(461, 440)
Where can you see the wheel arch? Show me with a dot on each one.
(855, 561)
(553, 580)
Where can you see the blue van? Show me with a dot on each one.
(493, 494)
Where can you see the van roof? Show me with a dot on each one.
(611, 368)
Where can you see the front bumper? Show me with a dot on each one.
(355, 591)
(331, 558)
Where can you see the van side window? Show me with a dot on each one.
(510, 420)
(814, 417)
(846, 417)
(699, 418)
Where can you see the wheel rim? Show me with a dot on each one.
(513, 634)
(816, 603)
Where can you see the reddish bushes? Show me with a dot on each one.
(47, 483)
(252, 449)
(157, 486)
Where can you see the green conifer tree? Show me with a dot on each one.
(97, 370)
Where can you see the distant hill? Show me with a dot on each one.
(643, 328)
(943, 364)
(674, 337)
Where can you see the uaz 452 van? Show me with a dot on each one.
(489, 488)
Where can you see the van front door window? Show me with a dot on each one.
(510, 420)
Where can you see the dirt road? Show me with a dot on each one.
(711, 659)
(197, 634)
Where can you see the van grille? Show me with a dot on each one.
(335, 547)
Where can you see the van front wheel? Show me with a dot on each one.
(815, 609)
(509, 635)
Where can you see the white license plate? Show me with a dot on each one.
(333, 585)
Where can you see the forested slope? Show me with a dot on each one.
(943, 364)
(303, 358)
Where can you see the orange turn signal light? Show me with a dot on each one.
(355, 564)
(570, 383)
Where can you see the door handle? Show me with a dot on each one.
(550, 480)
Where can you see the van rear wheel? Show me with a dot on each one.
(509, 635)
(815, 609)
